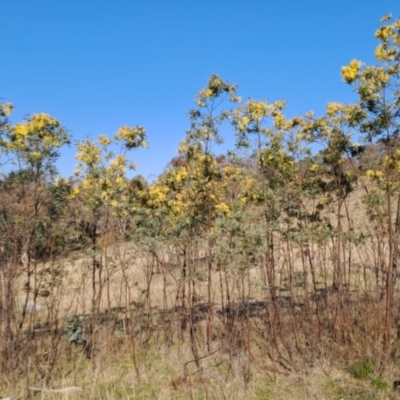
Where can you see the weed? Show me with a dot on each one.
(380, 383)
(361, 370)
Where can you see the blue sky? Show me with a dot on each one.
(98, 65)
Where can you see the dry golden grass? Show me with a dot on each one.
(160, 376)
(150, 360)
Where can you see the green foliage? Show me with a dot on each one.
(380, 383)
(74, 329)
(361, 369)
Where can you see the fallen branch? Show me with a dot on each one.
(64, 390)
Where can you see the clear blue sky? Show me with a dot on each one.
(97, 65)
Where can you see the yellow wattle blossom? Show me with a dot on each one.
(88, 153)
(133, 137)
(41, 121)
(177, 207)
(125, 132)
(114, 203)
(382, 76)
(223, 208)
(374, 174)
(36, 155)
(248, 183)
(181, 175)
(351, 72)
(257, 109)
(104, 140)
(333, 108)
(21, 130)
(36, 138)
(314, 168)
(241, 121)
(384, 33)
(87, 184)
(207, 93)
(157, 195)
(119, 161)
(215, 81)
(279, 120)
(280, 104)
(119, 180)
(380, 53)
(74, 192)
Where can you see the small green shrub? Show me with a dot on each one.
(362, 370)
(380, 383)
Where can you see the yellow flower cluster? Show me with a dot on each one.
(119, 161)
(313, 168)
(351, 72)
(333, 108)
(392, 161)
(257, 109)
(181, 175)
(249, 183)
(232, 172)
(279, 120)
(39, 122)
(37, 137)
(296, 121)
(386, 32)
(242, 122)
(88, 153)
(133, 137)
(74, 192)
(104, 140)
(157, 195)
(177, 206)
(382, 76)
(374, 174)
(207, 93)
(380, 53)
(223, 208)
(87, 184)
(215, 82)
(39, 125)
(216, 86)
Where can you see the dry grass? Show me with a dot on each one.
(144, 352)
(162, 377)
